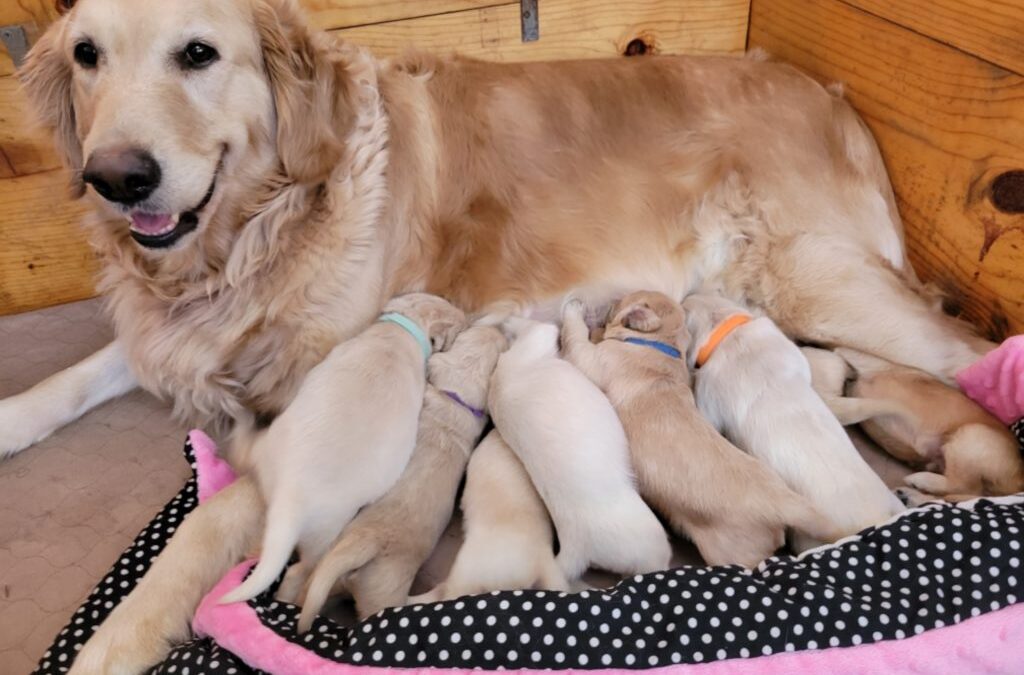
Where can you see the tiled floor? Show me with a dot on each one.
(70, 505)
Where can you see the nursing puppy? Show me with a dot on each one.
(508, 541)
(379, 553)
(734, 508)
(965, 451)
(346, 439)
(572, 444)
(754, 384)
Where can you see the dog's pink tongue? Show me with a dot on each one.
(150, 223)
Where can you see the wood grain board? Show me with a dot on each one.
(568, 29)
(989, 29)
(948, 124)
(44, 257)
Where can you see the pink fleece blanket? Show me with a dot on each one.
(997, 381)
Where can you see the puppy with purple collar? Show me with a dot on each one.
(379, 553)
(734, 508)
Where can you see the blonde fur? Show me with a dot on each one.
(341, 181)
(379, 553)
(345, 442)
(756, 388)
(734, 508)
(507, 536)
(568, 437)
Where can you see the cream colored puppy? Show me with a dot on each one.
(965, 452)
(572, 444)
(733, 507)
(754, 384)
(346, 438)
(508, 541)
(379, 553)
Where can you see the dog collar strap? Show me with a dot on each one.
(413, 329)
(721, 331)
(666, 349)
(477, 412)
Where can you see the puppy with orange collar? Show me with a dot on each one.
(754, 384)
(733, 507)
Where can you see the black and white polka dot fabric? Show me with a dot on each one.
(934, 567)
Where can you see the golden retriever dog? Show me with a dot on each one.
(753, 384)
(260, 189)
(347, 440)
(508, 541)
(734, 508)
(963, 450)
(378, 554)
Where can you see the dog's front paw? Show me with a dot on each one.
(129, 651)
(22, 425)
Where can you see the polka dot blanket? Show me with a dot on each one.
(934, 591)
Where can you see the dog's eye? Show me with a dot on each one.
(198, 55)
(86, 54)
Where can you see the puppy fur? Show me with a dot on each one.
(508, 540)
(756, 388)
(379, 553)
(345, 442)
(571, 442)
(965, 451)
(734, 508)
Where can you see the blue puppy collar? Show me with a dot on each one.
(413, 329)
(668, 350)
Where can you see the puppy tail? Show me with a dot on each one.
(279, 541)
(347, 556)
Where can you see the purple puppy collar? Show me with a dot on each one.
(477, 412)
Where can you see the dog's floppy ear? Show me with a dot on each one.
(46, 77)
(308, 88)
(638, 317)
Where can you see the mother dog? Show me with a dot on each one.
(260, 190)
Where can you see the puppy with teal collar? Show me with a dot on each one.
(346, 438)
(733, 507)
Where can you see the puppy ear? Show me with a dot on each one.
(639, 318)
(444, 336)
(308, 88)
(46, 78)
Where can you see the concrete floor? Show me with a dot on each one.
(71, 504)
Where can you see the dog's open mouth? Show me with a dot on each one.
(163, 230)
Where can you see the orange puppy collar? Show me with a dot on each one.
(721, 331)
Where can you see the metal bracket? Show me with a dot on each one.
(16, 41)
(528, 14)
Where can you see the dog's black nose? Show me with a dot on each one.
(122, 176)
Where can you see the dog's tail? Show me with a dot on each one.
(279, 541)
(348, 555)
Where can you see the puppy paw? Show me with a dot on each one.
(912, 498)
(573, 306)
(925, 481)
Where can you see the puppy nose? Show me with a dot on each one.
(122, 176)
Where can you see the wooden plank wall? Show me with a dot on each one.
(44, 259)
(941, 84)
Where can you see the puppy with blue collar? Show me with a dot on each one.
(346, 438)
(734, 508)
